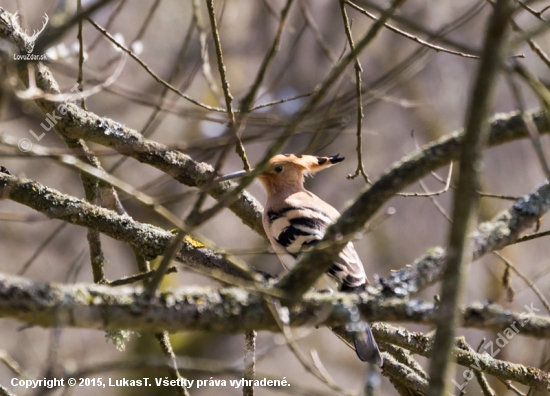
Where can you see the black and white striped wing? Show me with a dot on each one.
(295, 229)
(349, 269)
(292, 229)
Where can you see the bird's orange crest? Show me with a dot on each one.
(286, 171)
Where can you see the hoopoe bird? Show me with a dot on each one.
(295, 219)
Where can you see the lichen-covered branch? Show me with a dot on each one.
(226, 310)
(148, 240)
(232, 310)
(493, 235)
(423, 345)
(152, 241)
(403, 376)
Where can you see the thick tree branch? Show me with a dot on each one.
(226, 310)
(493, 235)
(148, 240)
(232, 310)
(465, 356)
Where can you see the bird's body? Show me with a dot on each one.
(295, 220)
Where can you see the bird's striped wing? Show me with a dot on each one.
(349, 269)
(294, 229)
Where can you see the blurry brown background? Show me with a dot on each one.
(429, 97)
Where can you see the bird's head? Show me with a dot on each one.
(286, 171)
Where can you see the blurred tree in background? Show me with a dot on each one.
(117, 116)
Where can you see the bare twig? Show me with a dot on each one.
(41, 248)
(249, 362)
(530, 237)
(205, 58)
(281, 317)
(529, 125)
(54, 33)
(310, 22)
(164, 341)
(110, 21)
(221, 65)
(139, 277)
(10, 363)
(410, 36)
(151, 72)
(80, 37)
(499, 196)
(529, 283)
(434, 193)
(358, 89)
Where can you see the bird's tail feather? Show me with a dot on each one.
(366, 347)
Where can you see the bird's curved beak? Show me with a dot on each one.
(230, 176)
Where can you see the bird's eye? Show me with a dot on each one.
(278, 169)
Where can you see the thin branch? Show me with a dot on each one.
(164, 341)
(529, 125)
(358, 89)
(530, 237)
(80, 38)
(41, 248)
(221, 65)
(434, 193)
(10, 363)
(170, 253)
(249, 362)
(403, 378)
(151, 72)
(484, 384)
(465, 198)
(248, 100)
(511, 387)
(276, 102)
(5, 391)
(499, 196)
(404, 356)
(110, 21)
(310, 22)
(281, 317)
(205, 59)
(414, 25)
(239, 147)
(145, 25)
(139, 277)
(410, 36)
(531, 285)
